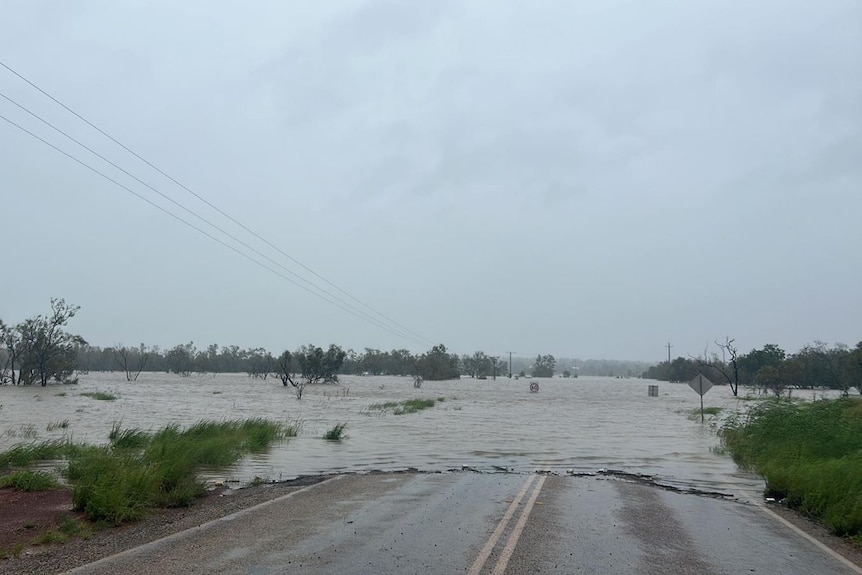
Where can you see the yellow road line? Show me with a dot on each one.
(495, 536)
(507, 551)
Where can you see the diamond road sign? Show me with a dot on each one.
(700, 385)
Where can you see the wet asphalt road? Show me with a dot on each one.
(481, 524)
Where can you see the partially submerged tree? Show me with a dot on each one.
(132, 360)
(10, 339)
(437, 364)
(45, 350)
(309, 364)
(180, 359)
(728, 372)
(545, 366)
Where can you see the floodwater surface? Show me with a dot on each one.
(584, 425)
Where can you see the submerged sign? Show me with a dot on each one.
(700, 385)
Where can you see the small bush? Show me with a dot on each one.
(29, 481)
(336, 433)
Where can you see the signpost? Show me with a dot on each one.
(534, 387)
(700, 385)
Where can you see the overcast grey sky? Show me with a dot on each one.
(583, 178)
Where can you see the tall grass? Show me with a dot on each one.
(809, 454)
(26, 480)
(137, 471)
(24, 454)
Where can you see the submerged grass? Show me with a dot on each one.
(336, 433)
(809, 454)
(137, 471)
(24, 454)
(100, 395)
(407, 406)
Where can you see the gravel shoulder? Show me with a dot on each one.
(58, 558)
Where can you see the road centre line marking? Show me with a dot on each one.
(507, 551)
(495, 536)
(822, 546)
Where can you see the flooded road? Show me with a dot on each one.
(483, 524)
(583, 425)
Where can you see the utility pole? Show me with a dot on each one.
(494, 359)
(668, 353)
(510, 362)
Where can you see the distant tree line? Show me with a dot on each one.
(186, 359)
(771, 369)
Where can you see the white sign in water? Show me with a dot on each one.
(700, 385)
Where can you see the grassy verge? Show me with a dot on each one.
(138, 471)
(407, 406)
(809, 454)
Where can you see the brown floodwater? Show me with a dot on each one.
(584, 425)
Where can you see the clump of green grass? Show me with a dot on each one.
(407, 406)
(67, 527)
(27, 480)
(810, 454)
(133, 438)
(100, 395)
(121, 482)
(336, 433)
(49, 537)
(24, 454)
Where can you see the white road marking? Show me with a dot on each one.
(823, 547)
(507, 551)
(495, 536)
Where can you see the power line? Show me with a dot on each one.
(204, 232)
(199, 217)
(250, 231)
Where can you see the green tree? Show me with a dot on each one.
(854, 367)
(545, 366)
(180, 359)
(769, 356)
(10, 339)
(318, 366)
(47, 351)
(437, 364)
